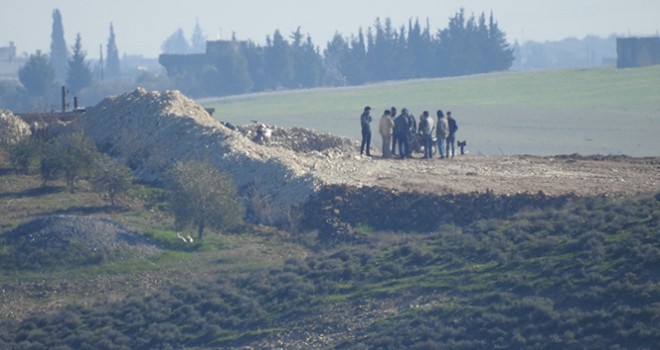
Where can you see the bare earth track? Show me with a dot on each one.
(579, 175)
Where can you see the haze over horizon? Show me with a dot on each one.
(142, 26)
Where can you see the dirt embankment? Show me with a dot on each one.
(302, 169)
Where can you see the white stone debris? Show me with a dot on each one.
(12, 128)
(153, 130)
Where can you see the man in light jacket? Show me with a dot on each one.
(427, 130)
(442, 132)
(385, 129)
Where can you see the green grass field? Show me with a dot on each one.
(592, 111)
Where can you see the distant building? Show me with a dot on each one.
(637, 52)
(194, 64)
(9, 63)
(8, 53)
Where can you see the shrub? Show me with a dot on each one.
(202, 195)
(24, 154)
(70, 155)
(111, 177)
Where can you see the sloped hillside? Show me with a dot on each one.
(474, 252)
(581, 276)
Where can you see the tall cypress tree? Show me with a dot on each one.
(197, 41)
(176, 43)
(38, 76)
(383, 58)
(335, 56)
(310, 64)
(79, 75)
(498, 50)
(469, 46)
(307, 62)
(58, 49)
(356, 71)
(112, 59)
(279, 61)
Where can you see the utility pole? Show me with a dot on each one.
(101, 61)
(64, 92)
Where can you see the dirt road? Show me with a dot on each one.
(502, 175)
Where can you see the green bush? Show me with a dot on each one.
(111, 177)
(70, 156)
(25, 154)
(201, 195)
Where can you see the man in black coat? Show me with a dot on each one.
(365, 122)
(451, 139)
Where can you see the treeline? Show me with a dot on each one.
(468, 45)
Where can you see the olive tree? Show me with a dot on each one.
(69, 155)
(25, 153)
(111, 177)
(201, 195)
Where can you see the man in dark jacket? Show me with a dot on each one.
(401, 130)
(393, 116)
(412, 133)
(451, 139)
(365, 122)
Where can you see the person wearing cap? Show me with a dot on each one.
(365, 122)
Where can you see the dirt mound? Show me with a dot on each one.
(71, 240)
(153, 130)
(302, 139)
(12, 128)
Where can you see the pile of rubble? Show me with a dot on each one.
(153, 130)
(12, 128)
(301, 139)
(75, 240)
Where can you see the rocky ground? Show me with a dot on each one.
(504, 175)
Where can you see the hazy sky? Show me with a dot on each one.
(141, 26)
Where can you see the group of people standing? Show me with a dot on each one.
(406, 134)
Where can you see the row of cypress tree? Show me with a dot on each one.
(71, 67)
(469, 45)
